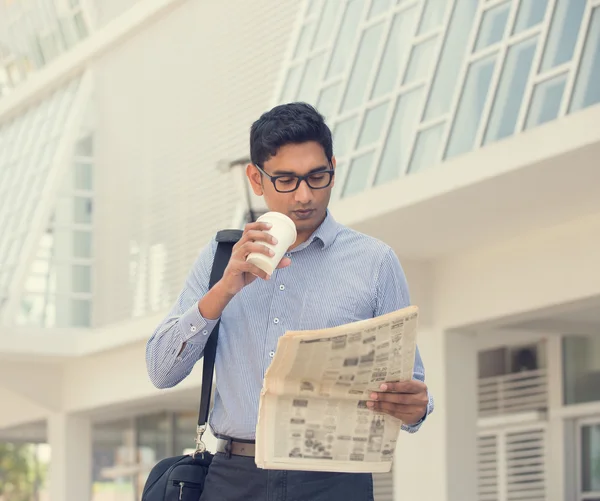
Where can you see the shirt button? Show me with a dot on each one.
(204, 333)
(282, 287)
(271, 354)
(276, 320)
(193, 328)
(288, 255)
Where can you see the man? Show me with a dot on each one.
(331, 276)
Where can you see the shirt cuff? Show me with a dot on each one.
(194, 328)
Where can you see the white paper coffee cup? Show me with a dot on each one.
(284, 230)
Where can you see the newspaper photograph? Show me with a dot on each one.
(313, 414)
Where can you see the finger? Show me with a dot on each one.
(284, 263)
(250, 247)
(258, 236)
(399, 398)
(254, 270)
(257, 226)
(406, 413)
(413, 386)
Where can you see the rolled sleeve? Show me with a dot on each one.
(194, 328)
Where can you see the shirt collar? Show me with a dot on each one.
(325, 233)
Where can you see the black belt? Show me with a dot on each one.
(235, 447)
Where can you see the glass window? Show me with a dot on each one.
(545, 103)
(564, 32)
(377, 7)
(433, 15)
(396, 52)
(82, 244)
(427, 148)
(343, 43)
(362, 68)
(420, 62)
(493, 26)
(339, 179)
(508, 99)
(328, 100)
(343, 136)
(82, 210)
(311, 79)
(305, 39)
(399, 141)
(83, 176)
(326, 23)
(85, 147)
(81, 278)
(581, 366)
(373, 123)
(81, 313)
(453, 53)
(290, 88)
(590, 460)
(531, 12)
(358, 174)
(587, 83)
(470, 108)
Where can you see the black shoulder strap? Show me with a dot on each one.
(226, 239)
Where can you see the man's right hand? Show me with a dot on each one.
(239, 273)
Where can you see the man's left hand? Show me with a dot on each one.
(406, 400)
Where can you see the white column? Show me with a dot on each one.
(70, 439)
(439, 461)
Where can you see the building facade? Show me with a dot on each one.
(467, 134)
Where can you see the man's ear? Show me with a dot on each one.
(255, 178)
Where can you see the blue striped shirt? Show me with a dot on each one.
(337, 276)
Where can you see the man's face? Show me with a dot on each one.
(305, 206)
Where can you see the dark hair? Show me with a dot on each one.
(292, 123)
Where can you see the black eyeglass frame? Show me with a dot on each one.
(299, 179)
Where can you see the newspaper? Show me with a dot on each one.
(313, 414)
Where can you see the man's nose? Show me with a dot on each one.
(303, 194)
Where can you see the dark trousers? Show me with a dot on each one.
(238, 479)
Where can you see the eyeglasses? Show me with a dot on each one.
(287, 183)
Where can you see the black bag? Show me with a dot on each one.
(182, 477)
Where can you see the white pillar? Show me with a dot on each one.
(439, 461)
(70, 439)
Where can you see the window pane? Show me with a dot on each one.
(427, 148)
(82, 244)
(420, 61)
(305, 39)
(311, 79)
(343, 44)
(83, 176)
(363, 66)
(546, 100)
(581, 366)
(493, 26)
(433, 15)
(81, 278)
(340, 174)
(85, 147)
(373, 123)
(324, 33)
(590, 458)
(290, 88)
(343, 135)
(531, 12)
(564, 31)
(453, 53)
(328, 100)
(399, 141)
(587, 84)
(472, 101)
(81, 313)
(509, 97)
(396, 52)
(82, 210)
(358, 174)
(377, 7)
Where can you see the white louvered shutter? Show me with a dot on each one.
(512, 464)
(383, 486)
